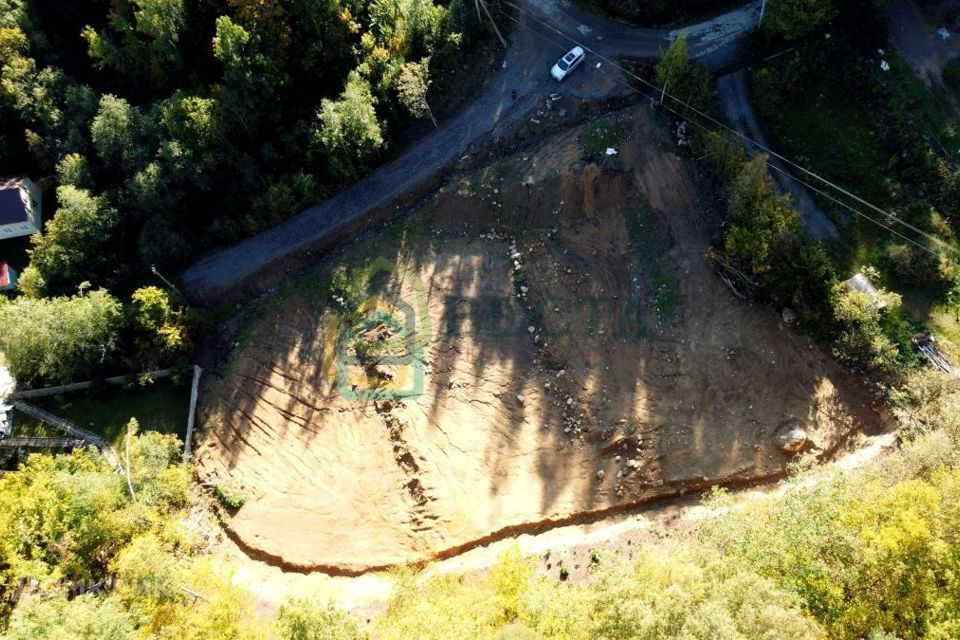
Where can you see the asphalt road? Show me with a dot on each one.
(533, 49)
(918, 42)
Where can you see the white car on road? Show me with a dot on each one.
(567, 63)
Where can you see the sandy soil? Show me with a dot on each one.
(569, 353)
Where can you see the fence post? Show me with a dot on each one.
(194, 390)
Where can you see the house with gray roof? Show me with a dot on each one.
(19, 207)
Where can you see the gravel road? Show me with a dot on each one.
(533, 49)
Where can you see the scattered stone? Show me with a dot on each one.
(601, 474)
(520, 398)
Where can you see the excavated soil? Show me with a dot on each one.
(563, 347)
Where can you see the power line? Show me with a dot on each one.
(738, 134)
(765, 149)
(856, 211)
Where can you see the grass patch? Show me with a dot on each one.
(649, 241)
(937, 116)
(599, 135)
(813, 117)
(162, 406)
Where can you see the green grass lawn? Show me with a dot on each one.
(162, 406)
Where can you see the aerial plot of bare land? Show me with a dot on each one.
(543, 340)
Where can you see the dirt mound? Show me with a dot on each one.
(566, 351)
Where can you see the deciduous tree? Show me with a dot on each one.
(73, 247)
(57, 339)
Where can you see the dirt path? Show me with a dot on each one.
(574, 356)
(533, 49)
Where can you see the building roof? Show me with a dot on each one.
(4, 275)
(12, 207)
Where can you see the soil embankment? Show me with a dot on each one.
(565, 351)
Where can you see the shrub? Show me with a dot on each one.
(229, 494)
(58, 339)
(301, 619)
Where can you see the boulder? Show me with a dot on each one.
(790, 440)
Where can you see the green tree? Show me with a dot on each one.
(791, 19)
(682, 77)
(53, 108)
(74, 170)
(141, 41)
(87, 617)
(862, 337)
(252, 79)
(412, 86)
(349, 130)
(74, 245)
(759, 219)
(58, 339)
(162, 325)
(302, 619)
(119, 133)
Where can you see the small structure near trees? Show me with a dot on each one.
(862, 284)
(19, 207)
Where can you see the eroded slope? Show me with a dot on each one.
(572, 353)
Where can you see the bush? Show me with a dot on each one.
(59, 339)
(861, 336)
(300, 619)
(229, 494)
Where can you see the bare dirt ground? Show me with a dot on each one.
(567, 353)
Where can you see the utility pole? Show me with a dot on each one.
(483, 5)
(153, 268)
(763, 7)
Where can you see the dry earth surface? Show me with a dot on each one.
(564, 351)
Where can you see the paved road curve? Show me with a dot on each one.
(533, 49)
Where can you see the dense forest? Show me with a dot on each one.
(158, 128)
